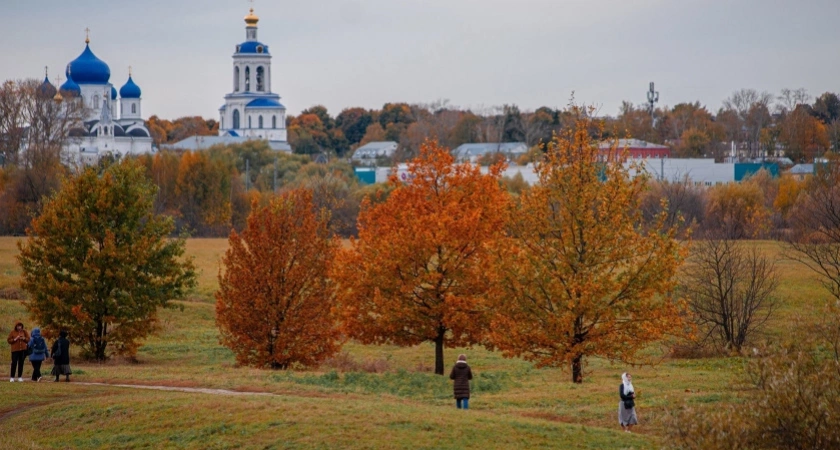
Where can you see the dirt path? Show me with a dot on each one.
(181, 389)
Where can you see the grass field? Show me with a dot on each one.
(514, 404)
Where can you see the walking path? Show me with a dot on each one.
(182, 389)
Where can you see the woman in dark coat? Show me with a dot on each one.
(462, 375)
(61, 357)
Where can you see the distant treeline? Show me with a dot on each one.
(790, 124)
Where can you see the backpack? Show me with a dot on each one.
(39, 347)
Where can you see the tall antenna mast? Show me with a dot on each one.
(653, 98)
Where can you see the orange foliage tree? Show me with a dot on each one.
(203, 190)
(99, 263)
(416, 273)
(274, 299)
(737, 210)
(580, 274)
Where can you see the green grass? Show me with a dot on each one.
(515, 405)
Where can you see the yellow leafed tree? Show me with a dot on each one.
(580, 275)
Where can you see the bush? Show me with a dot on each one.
(793, 396)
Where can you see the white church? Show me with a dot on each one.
(113, 123)
(251, 111)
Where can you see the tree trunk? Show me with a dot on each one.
(439, 351)
(577, 369)
(101, 343)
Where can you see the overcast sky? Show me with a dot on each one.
(474, 53)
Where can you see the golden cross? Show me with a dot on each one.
(129, 71)
(58, 80)
(46, 71)
(87, 35)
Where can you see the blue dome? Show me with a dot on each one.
(88, 69)
(113, 93)
(71, 87)
(47, 89)
(129, 89)
(252, 47)
(264, 103)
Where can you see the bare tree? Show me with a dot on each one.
(815, 224)
(730, 288)
(492, 126)
(790, 98)
(742, 100)
(685, 204)
(12, 121)
(35, 127)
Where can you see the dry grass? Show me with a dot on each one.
(368, 397)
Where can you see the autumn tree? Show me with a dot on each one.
(636, 122)
(580, 275)
(203, 191)
(99, 263)
(373, 133)
(736, 211)
(417, 271)
(803, 135)
(35, 126)
(787, 195)
(353, 122)
(165, 131)
(274, 298)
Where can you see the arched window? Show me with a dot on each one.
(249, 121)
(95, 101)
(273, 121)
(260, 78)
(134, 108)
(260, 122)
(236, 79)
(247, 79)
(235, 119)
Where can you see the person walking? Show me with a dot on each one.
(61, 357)
(39, 353)
(627, 405)
(18, 338)
(462, 375)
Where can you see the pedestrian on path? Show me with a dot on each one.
(627, 404)
(39, 353)
(462, 375)
(61, 357)
(18, 339)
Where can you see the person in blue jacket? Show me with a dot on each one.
(39, 353)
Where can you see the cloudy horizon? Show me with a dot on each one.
(473, 53)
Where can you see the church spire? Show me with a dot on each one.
(251, 24)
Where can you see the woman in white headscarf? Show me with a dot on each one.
(627, 405)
